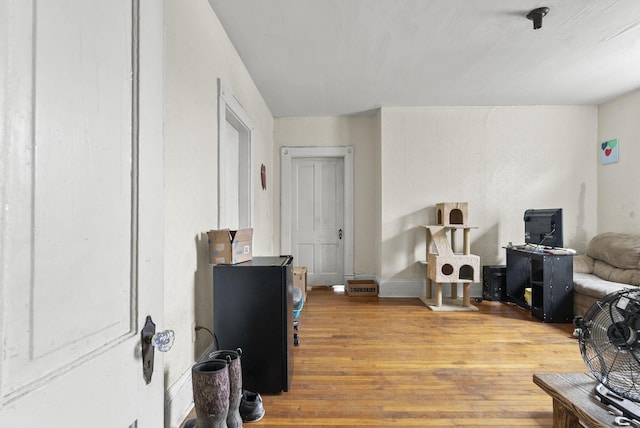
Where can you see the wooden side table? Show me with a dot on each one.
(574, 400)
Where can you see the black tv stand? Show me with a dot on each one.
(550, 277)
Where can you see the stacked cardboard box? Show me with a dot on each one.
(300, 280)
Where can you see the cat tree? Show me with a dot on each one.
(446, 265)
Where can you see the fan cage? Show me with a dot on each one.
(610, 342)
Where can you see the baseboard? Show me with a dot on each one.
(178, 400)
(401, 288)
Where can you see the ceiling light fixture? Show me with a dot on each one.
(536, 16)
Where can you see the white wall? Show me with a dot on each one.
(501, 160)
(343, 131)
(198, 52)
(378, 194)
(618, 201)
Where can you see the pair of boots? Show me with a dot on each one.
(217, 391)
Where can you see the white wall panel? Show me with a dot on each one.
(198, 53)
(501, 160)
(359, 132)
(618, 201)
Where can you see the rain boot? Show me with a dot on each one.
(210, 381)
(234, 420)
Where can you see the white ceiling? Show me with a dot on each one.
(340, 57)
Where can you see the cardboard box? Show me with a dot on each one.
(300, 279)
(228, 247)
(362, 287)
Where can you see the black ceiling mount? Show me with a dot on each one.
(536, 16)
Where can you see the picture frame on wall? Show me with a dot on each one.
(609, 151)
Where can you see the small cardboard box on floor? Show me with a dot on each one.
(362, 287)
(300, 280)
(228, 247)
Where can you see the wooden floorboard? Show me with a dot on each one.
(382, 362)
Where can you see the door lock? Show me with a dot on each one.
(340, 233)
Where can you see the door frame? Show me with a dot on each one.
(230, 110)
(287, 155)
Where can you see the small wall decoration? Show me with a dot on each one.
(263, 176)
(609, 151)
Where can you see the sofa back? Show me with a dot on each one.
(616, 257)
(617, 249)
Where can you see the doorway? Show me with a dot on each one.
(235, 129)
(317, 211)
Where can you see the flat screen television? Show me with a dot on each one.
(543, 227)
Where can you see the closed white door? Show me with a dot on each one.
(81, 226)
(317, 219)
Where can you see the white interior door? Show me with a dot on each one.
(81, 229)
(288, 209)
(318, 225)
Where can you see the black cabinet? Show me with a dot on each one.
(550, 280)
(494, 282)
(253, 310)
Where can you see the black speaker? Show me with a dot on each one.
(494, 282)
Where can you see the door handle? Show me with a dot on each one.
(150, 340)
(340, 233)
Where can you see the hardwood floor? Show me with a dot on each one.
(365, 362)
